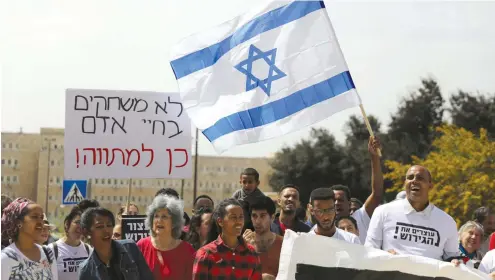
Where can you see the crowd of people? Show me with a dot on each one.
(241, 237)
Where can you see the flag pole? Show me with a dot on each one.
(369, 126)
(347, 66)
(195, 189)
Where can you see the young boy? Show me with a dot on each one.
(250, 180)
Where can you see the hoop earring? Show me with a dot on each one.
(19, 225)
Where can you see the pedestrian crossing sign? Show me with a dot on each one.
(73, 191)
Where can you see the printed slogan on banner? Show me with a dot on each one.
(134, 227)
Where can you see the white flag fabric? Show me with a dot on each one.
(271, 71)
(315, 257)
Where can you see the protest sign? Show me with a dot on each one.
(305, 256)
(134, 228)
(126, 134)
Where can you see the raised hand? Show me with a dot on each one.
(373, 146)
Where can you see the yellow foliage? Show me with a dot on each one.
(463, 169)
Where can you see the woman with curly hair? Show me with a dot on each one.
(166, 254)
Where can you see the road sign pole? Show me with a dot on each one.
(129, 195)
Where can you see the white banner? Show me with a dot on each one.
(126, 134)
(317, 257)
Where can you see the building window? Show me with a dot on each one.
(133, 198)
(96, 181)
(9, 162)
(50, 197)
(14, 179)
(120, 198)
(139, 199)
(3, 161)
(140, 183)
(108, 198)
(102, 198)
(121, 182)
(55, 146)
(114, 198)
(15, 162)
(8, 179)
(17, 146)
(52, 163)
(2, 179)
(58, 180)
(51, 179)
(109, 181)
(10, 145)
(103, 181)
(4, 146)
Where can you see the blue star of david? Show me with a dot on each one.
(246, 67)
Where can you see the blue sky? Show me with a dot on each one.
(48, 46)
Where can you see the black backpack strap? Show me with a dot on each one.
(55, 250)
(87, 248)
(47, 253)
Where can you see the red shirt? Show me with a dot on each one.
(217, 261)
(492, 242)
(283, 227)
(177, 263)
(271, 258)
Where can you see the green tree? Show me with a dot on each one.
(473, 111)
(310, 164)
(411, 130)
(463, 170)
(356, 165)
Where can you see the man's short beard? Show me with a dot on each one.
(288, 212)
(318, 223)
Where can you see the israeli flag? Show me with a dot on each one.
(264, 74)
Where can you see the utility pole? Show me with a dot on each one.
(48, 175)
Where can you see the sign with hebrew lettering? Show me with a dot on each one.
(126, 134)
(306, 256)
(134, 227)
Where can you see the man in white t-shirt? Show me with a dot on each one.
(343, 194)
(322, 208)
(487, 265)
(413, 225)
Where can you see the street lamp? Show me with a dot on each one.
(48, 174)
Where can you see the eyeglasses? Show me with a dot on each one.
(321, 212)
